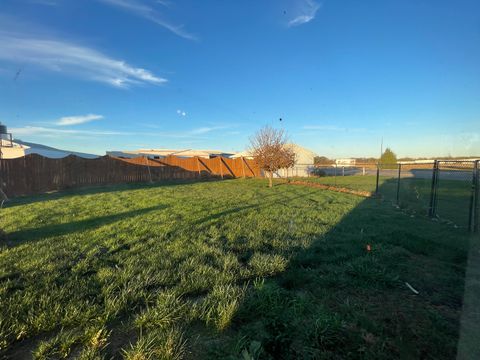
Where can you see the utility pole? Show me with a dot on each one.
(381, 150)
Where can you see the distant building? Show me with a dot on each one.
(161, 153)
(345, 162)
(430, 161)
(304, 161)
(242, 154)
(10, 150)
(19, 150)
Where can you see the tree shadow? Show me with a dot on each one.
(267, 201)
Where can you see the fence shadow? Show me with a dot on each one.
(35, 234)
(101, 189)
(333, 298)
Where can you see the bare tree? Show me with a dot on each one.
(270, 151)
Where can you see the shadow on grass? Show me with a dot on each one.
(336, 299)
(453, 194)
(92, 190)
(267, 201)
(35, 234)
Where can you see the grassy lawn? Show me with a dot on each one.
(356, 182)
(453, 195)
(227, 269)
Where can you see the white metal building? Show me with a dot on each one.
(161, 153)
(304, 161)
(18, 149)
(345, 162)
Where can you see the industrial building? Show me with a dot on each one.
(161, 153)
(304, 161)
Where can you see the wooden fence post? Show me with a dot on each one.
(221, 168)
(243, 167)
(148, 166)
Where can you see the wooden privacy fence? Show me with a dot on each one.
(33, 174)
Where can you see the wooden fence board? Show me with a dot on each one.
(34, 174)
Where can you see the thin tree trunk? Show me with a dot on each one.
(270, 178)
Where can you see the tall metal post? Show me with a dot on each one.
(476, 201)
(398, 183)
(378, 175)
(471, 208)
(433, 190)
(335, 174)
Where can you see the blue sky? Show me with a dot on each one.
(97, 75)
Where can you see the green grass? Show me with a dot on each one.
(453, 195)
(357, 182)
(227, 269)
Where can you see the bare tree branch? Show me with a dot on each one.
(268, 147)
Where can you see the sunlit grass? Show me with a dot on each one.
(224, 269)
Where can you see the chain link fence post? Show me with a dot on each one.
(471, 208)
(433, 190)
(398, 184)
(336, 174)
(475, 216)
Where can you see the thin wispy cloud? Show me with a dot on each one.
(142, 9)
(44, 2)
(305, 12)
(62, 56)
(332, 128)
(163, 2)
(76, 120)
(324, 127)
(41, 131)
(45, 131)
(206, 129)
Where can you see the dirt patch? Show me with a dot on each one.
(334, 188)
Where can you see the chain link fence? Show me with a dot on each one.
(444, 189)
(454, 195)
(407, 185)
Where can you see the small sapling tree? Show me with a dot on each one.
(270, 151)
